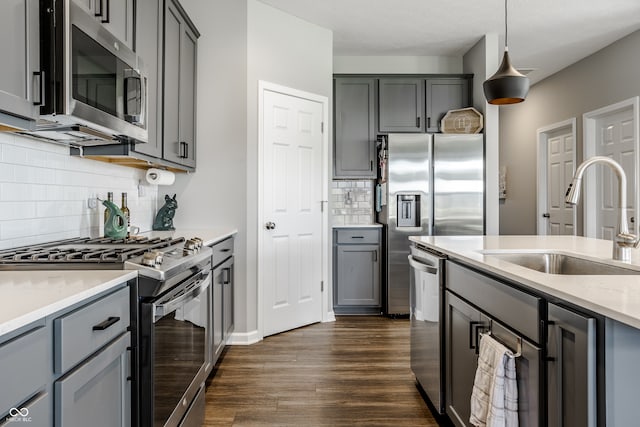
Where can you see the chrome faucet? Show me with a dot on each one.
(624, 240)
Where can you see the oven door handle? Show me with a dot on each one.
(197, 288)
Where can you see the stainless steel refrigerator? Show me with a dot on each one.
(432, 184)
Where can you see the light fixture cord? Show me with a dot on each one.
(506, 33)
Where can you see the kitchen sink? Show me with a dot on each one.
(558, 263)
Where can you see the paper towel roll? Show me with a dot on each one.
(160, 177)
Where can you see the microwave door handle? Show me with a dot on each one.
(161, 310)
(135, 83)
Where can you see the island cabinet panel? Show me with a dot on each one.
(571, 369)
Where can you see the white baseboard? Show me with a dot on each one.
(244, 338)
(331, 317)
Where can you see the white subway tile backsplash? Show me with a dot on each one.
(44, 193)
(352, 202)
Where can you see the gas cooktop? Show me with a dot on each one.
(157, 258)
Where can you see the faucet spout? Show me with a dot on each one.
(624, 240)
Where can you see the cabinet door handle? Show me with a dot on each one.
(98, 12)
(226, 276)
(105, 17)
(371, 165)
(417, 122)
(106, 323)
(40, 86)
(375, 256)
(183, 150)
(428, 122)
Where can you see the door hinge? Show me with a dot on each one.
(321, 127)
(322, 286)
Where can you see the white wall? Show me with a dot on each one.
(397, 64)
(216, 194)
(606, 77)
(242, 42)
(44, 193)
(482, 61)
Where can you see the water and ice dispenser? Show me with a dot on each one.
(408, 210)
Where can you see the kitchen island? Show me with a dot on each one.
(578, 335)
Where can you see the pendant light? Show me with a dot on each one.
(507, 85)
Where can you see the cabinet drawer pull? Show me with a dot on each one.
(357, 237)
(106, 323)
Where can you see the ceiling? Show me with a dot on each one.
(544, 35)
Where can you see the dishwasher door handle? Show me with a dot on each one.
(421, 267)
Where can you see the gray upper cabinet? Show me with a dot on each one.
(443, 95)
(116, 16)
(180, 56)
(401, 105)
(149, 48)
(21, 85)
(355, 149)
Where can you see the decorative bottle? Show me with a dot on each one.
(125, 212)
(106, 211)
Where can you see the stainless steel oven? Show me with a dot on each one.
(92, 84)
(175, 352)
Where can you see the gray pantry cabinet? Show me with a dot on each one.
(223, 296)
(72, 368)
(355, 129)
(179, 92)
(21, 85)
(356, 281)
(116, 16)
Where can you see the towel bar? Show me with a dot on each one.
(513, 355)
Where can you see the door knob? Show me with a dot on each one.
(546, 215)
(270, 225)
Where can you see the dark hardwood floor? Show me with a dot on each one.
(354, 371)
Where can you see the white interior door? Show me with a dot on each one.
(560, 169)
(292, 177)
(615, 139)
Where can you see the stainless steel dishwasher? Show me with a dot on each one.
(427, 327)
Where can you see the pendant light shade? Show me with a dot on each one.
(507, 85)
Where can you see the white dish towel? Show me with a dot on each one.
(494, 400)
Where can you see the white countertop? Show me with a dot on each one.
(208, 235)
(616, 297)
(358, 226)
(27, 296)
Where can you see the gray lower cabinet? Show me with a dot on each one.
(25, 365)
(443, 95)
(571, 368)
(21, 85)
(179, 91)
(356, 271)
(355, 139)
(476, 304)
(461, 324)
(98, 392)
(223, 296)
(401, 105)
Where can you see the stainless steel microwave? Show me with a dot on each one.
(92, 88)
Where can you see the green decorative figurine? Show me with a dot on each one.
(164, 218)
(116, 224)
